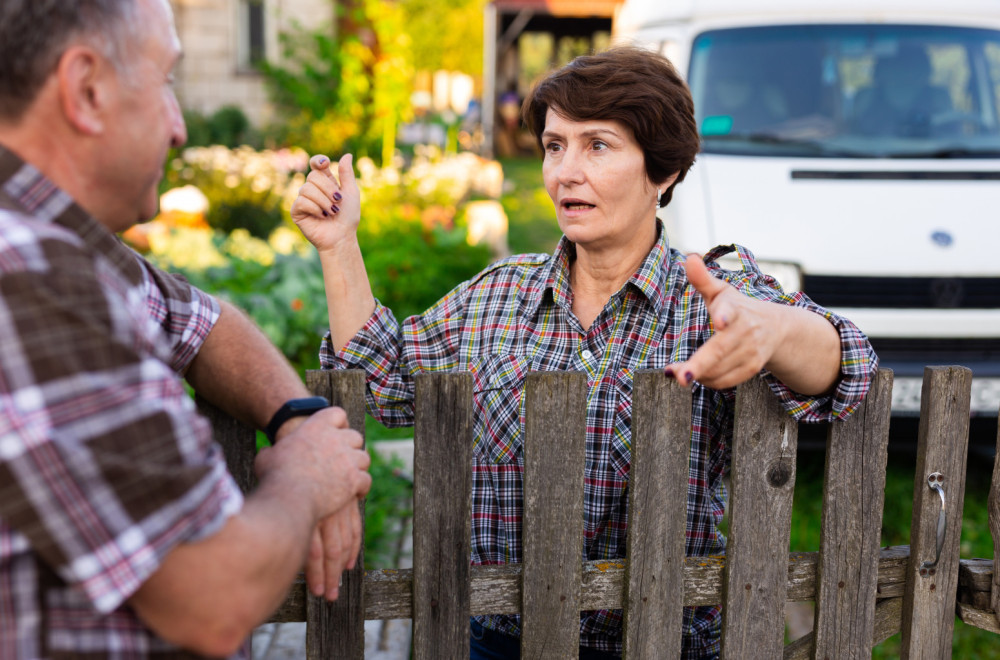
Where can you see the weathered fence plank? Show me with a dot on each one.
(337, 629)
(238, 441)
(994, 515)
(554, 460)
(853, 495)
(888, 615)
(661, 441)
(497, 589)
(239, 446)
(929, 600)
(442, 509)
(975, 590)
(763, 478)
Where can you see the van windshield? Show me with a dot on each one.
(869, 91)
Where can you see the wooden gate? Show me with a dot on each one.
(863, 593)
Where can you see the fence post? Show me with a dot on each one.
(442, 505)
(853, 497)
(238, 441)
(658, 484)
(994, 513)
(555, 434)
(337, 629)
(929, 598)
(763, 480)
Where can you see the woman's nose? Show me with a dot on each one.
(571, 167)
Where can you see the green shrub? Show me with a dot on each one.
(227, 126)
(346, 92)
(246, 189)
(388, 508)
(259, 220)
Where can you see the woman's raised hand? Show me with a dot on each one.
(328, 208)
(799, 347)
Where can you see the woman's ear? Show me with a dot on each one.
(84, 79)
(666, 183)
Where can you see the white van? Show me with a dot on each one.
(854, 147)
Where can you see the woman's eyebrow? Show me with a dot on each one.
(593, 132)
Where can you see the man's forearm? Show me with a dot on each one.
(208, 596)
(239, 370)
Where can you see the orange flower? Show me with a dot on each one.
(297, 305)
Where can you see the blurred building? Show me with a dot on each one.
(223, 40)
(524, 39)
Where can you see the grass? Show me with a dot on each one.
(530, 216)
(969, 642)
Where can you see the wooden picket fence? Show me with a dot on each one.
(863, 593)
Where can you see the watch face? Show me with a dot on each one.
(313, 403)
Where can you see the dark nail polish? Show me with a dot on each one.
(325, 214)
(335, 208)
(688, 377)
(337, 196)
(669, 372)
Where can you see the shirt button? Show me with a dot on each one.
(586, 354)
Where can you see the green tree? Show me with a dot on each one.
(445, 34)
(345, 88)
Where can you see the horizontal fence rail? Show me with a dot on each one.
(863, 593)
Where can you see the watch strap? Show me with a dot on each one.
(294, 408)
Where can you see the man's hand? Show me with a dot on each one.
(801, 348)
(322, 456)
(335, 545)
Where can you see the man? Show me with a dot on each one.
(121, 533)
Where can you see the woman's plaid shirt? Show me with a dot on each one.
(515, 317)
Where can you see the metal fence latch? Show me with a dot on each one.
(936, 480)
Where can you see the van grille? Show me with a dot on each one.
(904, 292)
(908, 356)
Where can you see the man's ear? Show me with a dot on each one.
(85, 81)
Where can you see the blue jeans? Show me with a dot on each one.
(486, 644)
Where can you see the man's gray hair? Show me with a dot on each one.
(35, 33)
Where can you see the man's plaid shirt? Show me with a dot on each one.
(515, 317)
(104, 464)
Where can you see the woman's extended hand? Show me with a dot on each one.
(801, 348)
(328, 208)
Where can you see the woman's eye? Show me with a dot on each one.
(599, 146)
(553, 146)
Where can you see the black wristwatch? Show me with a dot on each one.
(294, 408)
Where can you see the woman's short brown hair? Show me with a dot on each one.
(637, 87)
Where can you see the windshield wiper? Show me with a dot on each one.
(813, 146)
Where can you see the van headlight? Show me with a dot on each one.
(788, 275)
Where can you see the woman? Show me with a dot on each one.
(618, 133)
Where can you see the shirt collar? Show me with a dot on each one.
(650, 279)
(24, 189)
(652, 276)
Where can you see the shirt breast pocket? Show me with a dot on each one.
(620, 443)
(498, 385)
